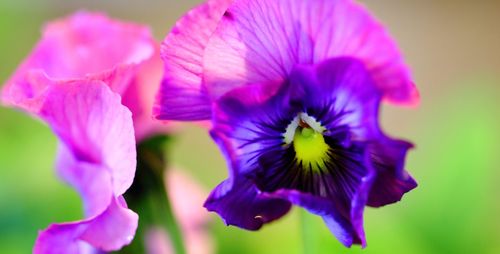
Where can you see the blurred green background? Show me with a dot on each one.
(453, 47)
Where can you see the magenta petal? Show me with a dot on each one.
(259, 41)
(112, 229)
(83, 45)
(91, 121)
(93, 43)
(60, 239)
(97, 156)
(92, 181)
(182, 96)
(108, 231)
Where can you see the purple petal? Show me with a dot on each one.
(340, 225)
(258, 41)
(182, 96)
(240, 204)
(338, 91)
(339, 196)
(108, 231)
(392, 181)
(248, 120)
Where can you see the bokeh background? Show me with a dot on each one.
(453, 48)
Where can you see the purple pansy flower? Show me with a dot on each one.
(293, 89)
(90, 79)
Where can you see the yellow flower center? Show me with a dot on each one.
(310, 148)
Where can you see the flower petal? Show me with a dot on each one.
(259, 41)
(182, 96)
(92, 181)
(84, 45)
(112, 229)
(392, 181)
(97, 156)
(90, 120)
(239, 203)
(108, 231)
(339, 224)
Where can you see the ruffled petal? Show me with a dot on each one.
(91, 121)
(84, 45)
(108, 231)
(259, 41)
(239, 203)
(341, 226)
(97, 156)
(182, 96)
(392, 180)
(112, 229)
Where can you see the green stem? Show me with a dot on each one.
(149, 198)
(308, 233)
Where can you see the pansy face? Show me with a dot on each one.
(293, 90)
(309, 136)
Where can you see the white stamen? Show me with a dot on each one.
(294, 124)
(312, 122)
(290, 130)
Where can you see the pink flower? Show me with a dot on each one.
(89, 78)
(91, 46)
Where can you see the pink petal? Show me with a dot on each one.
(108, 231)
(112, 229)
(260, 41)
(84, 45)
(182, 96)
(97, 156)
(92, 181)
(91, 121)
